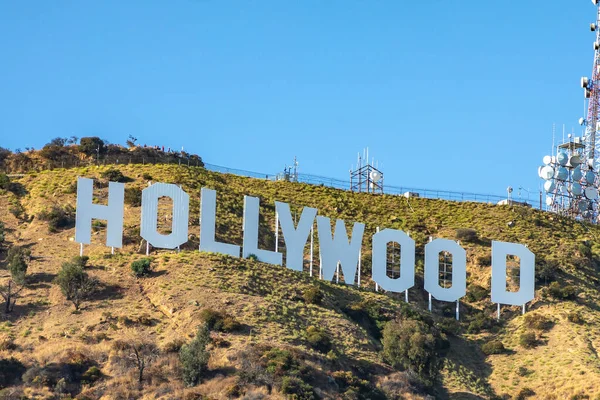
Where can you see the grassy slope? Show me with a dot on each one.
(265, 298)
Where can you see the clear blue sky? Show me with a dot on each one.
(457, 95)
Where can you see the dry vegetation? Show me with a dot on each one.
(272, 324)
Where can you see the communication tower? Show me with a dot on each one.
(366, 177)
(571, 174)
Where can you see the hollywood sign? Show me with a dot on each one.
(335, 249)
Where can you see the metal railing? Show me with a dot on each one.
(387, 189)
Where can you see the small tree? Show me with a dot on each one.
(75, 283)
(142, 353)
(131, 141)
(141, 267)
(91, 146)
(17, 266)
(194, 357)
(411, 344)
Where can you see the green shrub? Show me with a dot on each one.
(253, 257)
(493, 347)
(585, 250)
(75, 283)
(537, 321)
(147, 176)
(113, 175)
(485, 260)
(81, 261)
(575, 317)
(477, 293)
(528, 340)
(546, 272)
(412, 345)
(314, 295)
(91, 375)
(58, 217)
(11, 371)
(524, 393)
(91, 146)
(467, 235)
(522, 371)
(17, 210)
(318, 339)
(133, 196)
(219, 320)
(4, 182)
(480, 323)
(568, 292)
(141, 267)
(296, 388)
(194, 357)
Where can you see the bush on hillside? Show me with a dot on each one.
(567, 292)
(546, 272)
(219, 320)
(537, 321)
(92, 146)
(524, 393)
(194, 357)
(81, 261)
(575, 317)
(318, 339)
(585, 250)
(528, 340)
(133, 196)
(296, 388)
(75, 284)
(467, 235)
(141, 267)
(58, 217)
(314, 295)
(4, 182)
(412, 345)
(493, 347)
(113, 175)
(481, 322)
(485, 260)
(477, 293)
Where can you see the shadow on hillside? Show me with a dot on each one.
(156, 274)
(467, 363)
(466, 396)
(22, 309)
(40, 280)
(107, 292)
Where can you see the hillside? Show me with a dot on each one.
(271, 307)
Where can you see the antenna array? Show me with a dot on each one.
(571, 178)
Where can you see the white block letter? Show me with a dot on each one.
(295, 238)
(181, 207)
(527, 274)
(407, 260)
(338, 249)
(251, 211)
(112, 212)
(208, 211)
(432, 269)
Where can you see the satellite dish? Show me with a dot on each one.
(590, 177)
(549, 201)
(546, 172)
(576, 189)
(577, 174)
(585, 81)
(575, 160)
(562, 158)
(562, 174)
(547, 160)
(591, 193)
(549, 186)
(375, 176)
(581, 121)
